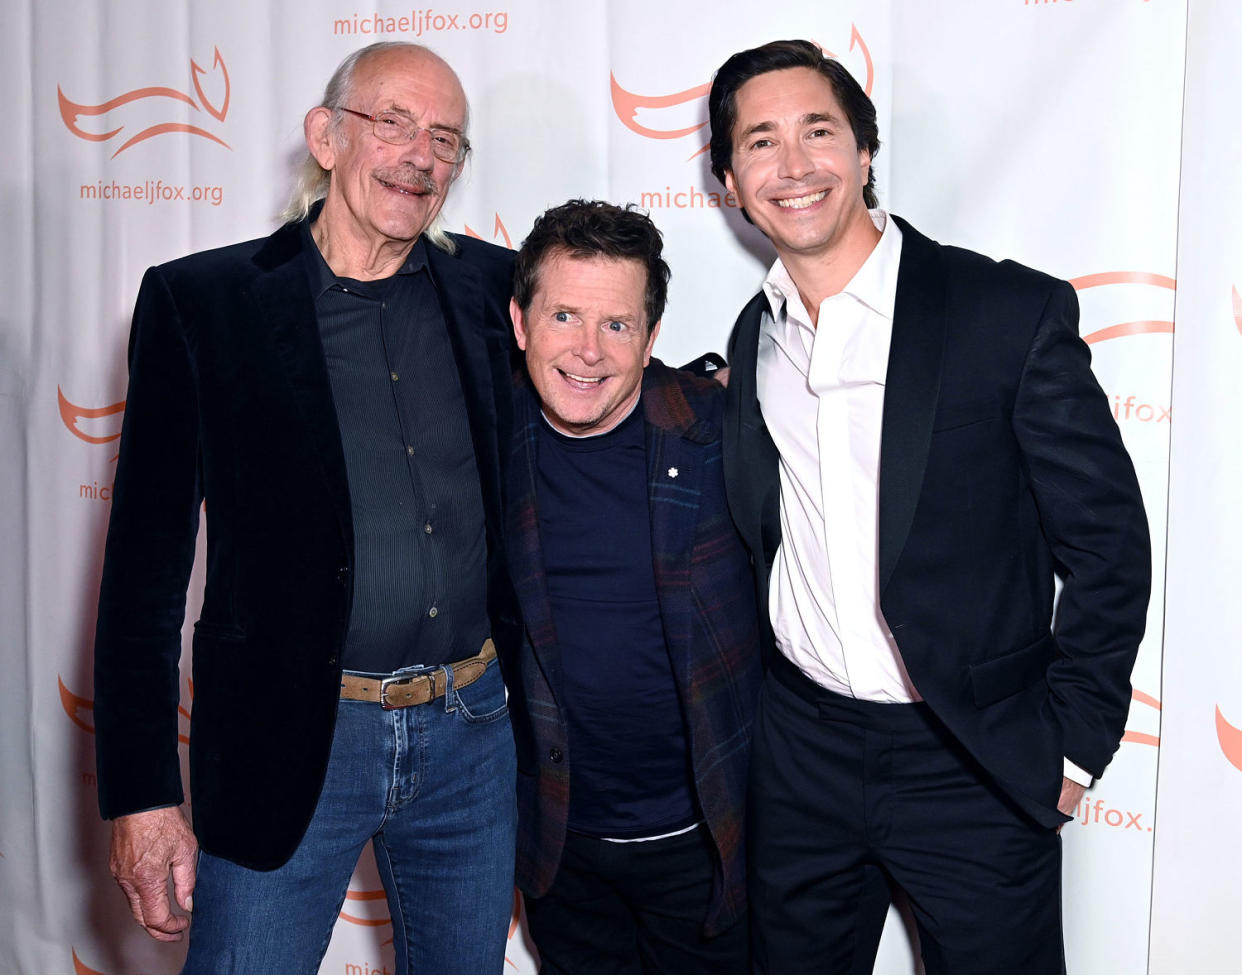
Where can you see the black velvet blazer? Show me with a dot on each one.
(1000, 465)
(229, 403)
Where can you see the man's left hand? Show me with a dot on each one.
(1071, 796)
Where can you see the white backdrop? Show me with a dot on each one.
(1058, 133)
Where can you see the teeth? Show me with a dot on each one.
(802, 202)
(584, 379)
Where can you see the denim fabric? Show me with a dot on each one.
(432, 787)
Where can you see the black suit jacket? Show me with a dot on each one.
(229, 402)
(1000, 465)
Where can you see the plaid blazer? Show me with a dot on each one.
(707, 605)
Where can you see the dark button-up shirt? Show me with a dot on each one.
(419, 587)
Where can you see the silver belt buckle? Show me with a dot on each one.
(388, 682)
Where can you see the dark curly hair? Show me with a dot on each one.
(593, 228)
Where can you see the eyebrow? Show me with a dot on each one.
(810, 118)
(396, 110)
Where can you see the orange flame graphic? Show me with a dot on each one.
(1230, 739)
(499, 233)
(71, 111)
(1122, 329)
(75, 706)
(627, 104)
(71, 413)
(1138, 737)
(81, 968)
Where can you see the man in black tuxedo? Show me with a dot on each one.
(914, 447)
(335, 394)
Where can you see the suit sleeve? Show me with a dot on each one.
(147, 562)
(1092, 516)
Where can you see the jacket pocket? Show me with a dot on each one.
(998, 678)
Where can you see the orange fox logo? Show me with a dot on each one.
(499, 233)
(72, 416)
(627, 104)
(1148, 327)
(71, 111)
(81, 710)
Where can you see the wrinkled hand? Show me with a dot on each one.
(722, 376)
(1071, 796)
(146, 846)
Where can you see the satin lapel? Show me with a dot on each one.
(459, 288)
(283, 295)
(522, 539)
(751, 459)
(911, 391)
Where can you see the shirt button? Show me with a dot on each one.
(395, 377)
(433, 612)
(554, 754)
(427, 528)
(409, 449)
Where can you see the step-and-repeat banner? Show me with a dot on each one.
(1095, 139)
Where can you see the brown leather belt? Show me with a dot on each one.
(407, 690)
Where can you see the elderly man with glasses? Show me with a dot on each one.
(334, 395)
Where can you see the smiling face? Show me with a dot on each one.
(382, 197)
(797, 168)
(586, 340)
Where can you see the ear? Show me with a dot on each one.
(317, 127)
(655, 330)
(729, 182)
(519, 323)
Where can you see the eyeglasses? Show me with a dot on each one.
(446, 144)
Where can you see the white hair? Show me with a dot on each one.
(312, 181)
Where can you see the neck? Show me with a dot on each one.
(824, 273)
(353, 256)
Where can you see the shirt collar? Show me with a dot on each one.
(323, 278)
(874, 284)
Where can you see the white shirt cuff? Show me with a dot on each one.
(1076, 774)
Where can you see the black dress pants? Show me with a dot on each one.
(633, 909)
(847, 796)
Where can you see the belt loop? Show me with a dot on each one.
(450, 697)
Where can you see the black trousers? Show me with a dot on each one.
(633, 909)
(849, 796)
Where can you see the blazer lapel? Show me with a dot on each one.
(459, 288)
(751, 459)
(911, 391)
(283, 295)
(525, 553)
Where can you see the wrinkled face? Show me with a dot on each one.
(586, 340)
(796, 167)
(382, 193)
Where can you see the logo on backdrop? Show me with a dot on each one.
(1230, 738)
(628, 105)
(1140, 737)
(1129, 407)
(378, 896)
(665, 117)
(78, 419)
(94, 425)
(158, 100)
(81, 710)
(499, 233)
(1237, 308)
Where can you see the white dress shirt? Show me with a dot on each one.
(821, 392)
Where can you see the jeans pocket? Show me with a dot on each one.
(484, 700)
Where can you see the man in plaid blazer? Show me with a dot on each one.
(640, 665)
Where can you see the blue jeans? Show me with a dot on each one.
(432, 787)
